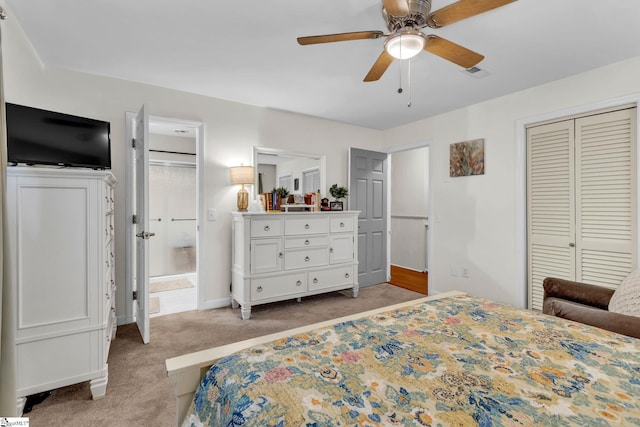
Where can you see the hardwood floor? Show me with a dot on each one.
(410, 279)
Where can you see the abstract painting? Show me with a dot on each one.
(466, 158)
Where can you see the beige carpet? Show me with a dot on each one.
(139, 392)
(169, 285)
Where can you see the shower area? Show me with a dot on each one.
(172, 217)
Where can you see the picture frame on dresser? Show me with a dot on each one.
(336, 206)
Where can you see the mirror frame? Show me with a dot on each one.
(288, 153)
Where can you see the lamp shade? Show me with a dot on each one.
(242, 175)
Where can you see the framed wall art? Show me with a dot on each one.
(466, 158)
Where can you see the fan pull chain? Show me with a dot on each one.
(409, 82)
(400, 76)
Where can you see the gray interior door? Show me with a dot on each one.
(368, 194)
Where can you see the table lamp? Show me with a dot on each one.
(242, 175)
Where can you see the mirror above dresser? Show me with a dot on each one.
(298, 172)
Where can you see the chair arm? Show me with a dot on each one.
(614, 322)
(583, 293)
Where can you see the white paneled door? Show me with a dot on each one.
(581, 200)
(141, 301)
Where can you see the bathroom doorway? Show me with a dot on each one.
(173, 207)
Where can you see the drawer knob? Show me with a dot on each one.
(298, 283)
(259, 289)
(306, 226)
(342, 224)
(307, 259)
(346, 275)
(267, 228)
(307, 242)
(280, 255)
(330, 250)
(315, 280)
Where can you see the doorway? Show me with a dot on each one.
(174, 196)
(409, 219)
(172, 218)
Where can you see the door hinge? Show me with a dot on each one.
(134, 219)
(133, 142)
(135, 295)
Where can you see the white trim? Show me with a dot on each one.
(521, 176)
(129, 232)
(216, 303)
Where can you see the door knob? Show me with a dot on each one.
(571, 245)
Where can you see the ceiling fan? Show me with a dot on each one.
(404, 20)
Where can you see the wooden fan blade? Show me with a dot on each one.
(341, 37)
(396, 7)
(452, 52)
(461, 10)
(380, 66)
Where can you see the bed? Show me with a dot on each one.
(447, 360)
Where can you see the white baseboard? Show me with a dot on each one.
(217, 303)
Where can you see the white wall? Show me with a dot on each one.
(477, 221)
(231, 131)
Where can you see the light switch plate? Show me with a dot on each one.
(211, 214)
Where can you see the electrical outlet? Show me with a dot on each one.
(211, 214)
(465, 272)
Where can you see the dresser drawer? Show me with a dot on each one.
(322, 279)
(268, 227)
(306, 258)
(341, 224)
(306, 241)
(306, 225)
(271, 287)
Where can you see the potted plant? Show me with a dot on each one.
(338, 193)
(282, 192)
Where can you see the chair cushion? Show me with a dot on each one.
(626, 299)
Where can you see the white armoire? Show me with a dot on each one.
(61, 233)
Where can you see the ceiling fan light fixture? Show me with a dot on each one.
(405, 45)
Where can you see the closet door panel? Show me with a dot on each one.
(550, 205)
(606, 197)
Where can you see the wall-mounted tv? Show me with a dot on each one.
(42, 137)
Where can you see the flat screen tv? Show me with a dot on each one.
(42, 137)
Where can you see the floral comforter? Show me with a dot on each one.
(457, 361)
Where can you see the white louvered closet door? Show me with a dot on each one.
(581, 200)
(550, 205)
(606, 197)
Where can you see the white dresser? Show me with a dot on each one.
(61, 233)
(279, 256)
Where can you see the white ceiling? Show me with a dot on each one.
(247, 51)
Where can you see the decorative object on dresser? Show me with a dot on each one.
(242, 175)
(61, 236)
(281, 256)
